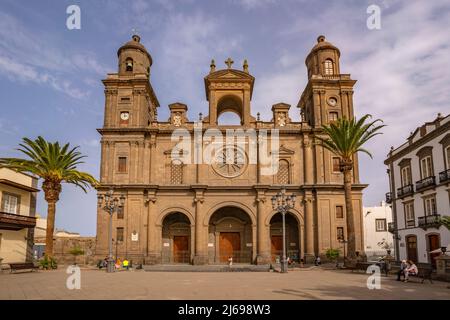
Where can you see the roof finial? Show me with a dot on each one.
(245, 66)
(229, 62)
(212, 66)
(135, 36)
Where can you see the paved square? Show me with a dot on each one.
(299, 284)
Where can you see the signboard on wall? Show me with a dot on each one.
(135, 236)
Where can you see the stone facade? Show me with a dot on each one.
(188, 212)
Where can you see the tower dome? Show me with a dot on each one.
(323, 59)
(134, 57)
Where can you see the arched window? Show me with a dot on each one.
(176, 172)
(129, 64)
(328, 67)
(283, 172)
(229, 118)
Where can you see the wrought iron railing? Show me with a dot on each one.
(389, 197)
(431, 221)
(425, 183)
(176, 257)
(444, 176)
(405, 191)
(239, 256)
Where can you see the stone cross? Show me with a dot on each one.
(229, 62)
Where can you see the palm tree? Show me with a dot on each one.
(345, 138)
(54, 165)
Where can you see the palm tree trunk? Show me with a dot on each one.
(50, 228)
(351, 242)
(52, 189)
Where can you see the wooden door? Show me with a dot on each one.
(433, 244)
(181, 249)
(411, 248)
(277, 247)
(229, 243)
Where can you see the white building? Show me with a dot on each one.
(419, 177)
(377, 238)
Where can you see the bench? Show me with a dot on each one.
(22, 266)
(424, 274)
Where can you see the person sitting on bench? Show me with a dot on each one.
(401, 272)
(411, 270)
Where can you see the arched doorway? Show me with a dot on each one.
(433, 244)
(176, 238)
(411, 248)
(292, 237)
(230, 235)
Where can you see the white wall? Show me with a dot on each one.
(372, 237)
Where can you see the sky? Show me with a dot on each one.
(50, 76)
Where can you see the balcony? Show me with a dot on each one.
(431, 221)
(389, 197)
(405, 191)
(425, 183)
(444, 176)
(391, 227)
(10, 221)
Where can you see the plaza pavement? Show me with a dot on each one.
(313, 283)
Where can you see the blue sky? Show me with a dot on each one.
(50, 76)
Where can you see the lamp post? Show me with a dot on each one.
(110, 204)
(282, 203)
(343, 241)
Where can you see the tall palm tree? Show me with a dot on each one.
(345, 138)
(55, 165)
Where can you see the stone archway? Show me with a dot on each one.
(176, 238)
(230, 234)
(293, 241)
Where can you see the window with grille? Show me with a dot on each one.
(122, 166)
(447, 157)
(328, 67)
(10, 203)
(339, 212)
(406, 176)
(380, 225)
(426, 167)
(176, 172)
(120, 213)
(340, 233)
(119, 234)
(336, 164)
(283, 172)
(410, 220)
(333, 116)
(430, 206)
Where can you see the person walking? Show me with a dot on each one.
(125, 264)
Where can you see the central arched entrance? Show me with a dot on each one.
(230, 235)
(176, 238)
(292, 237)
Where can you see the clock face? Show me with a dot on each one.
(230, 162)
(124, 116)
(332, 102)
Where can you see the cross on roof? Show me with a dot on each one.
(134, 30)
(229, 62)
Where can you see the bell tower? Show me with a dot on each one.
(329, 93)
(229, 90)
(129, 97)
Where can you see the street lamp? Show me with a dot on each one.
(343, 241)
(110, 204)
(282, 203)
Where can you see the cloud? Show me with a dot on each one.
(253, 4)
(28, 56)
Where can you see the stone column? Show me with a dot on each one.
(309, 229)
(201, 255)
(308, 160)
(263, 256)
(153, 231)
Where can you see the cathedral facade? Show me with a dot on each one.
(182, 210)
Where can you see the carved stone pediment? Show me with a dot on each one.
(284, 151)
